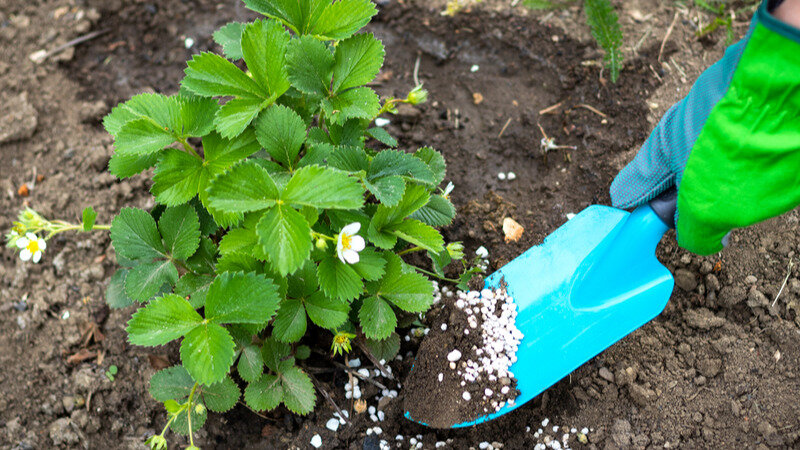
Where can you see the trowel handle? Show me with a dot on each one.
(665, 206)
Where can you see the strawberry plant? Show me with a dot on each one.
(272, 214)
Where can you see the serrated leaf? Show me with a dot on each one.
(164, 319)
(343, 18)
(246, 187)
(382, 136)
(356, 103)
(281, 131)
(222, 396)
(304, 282)
(275, 353)
(316, 154)
(142, 137)
(326, 312)
(264, 50)
(388, 190)
(310, 65)
(176, 179)
(285, 236)
(349, 159)
(323, 188)
(135, 236)
(357, 61)
(124, 166)
(302, 352)
(385, 349)
(420, 234)
(207, 352)
(145, 280)
(435, 162)
(241, 298)
(203, 259)
(339, 280)
(239, 262)
(264, 394)
(195, 287)
(603, 20)
(239, 240)
(290, 322)
(197, 116)
(440, 261)
(411, 292)
(181, 423)
(211, 75)
(163, 110)
(180, 229)
(397, 162)
(438, 212)
(296, 14)
(377, 319)
(235, 115)
(88, 216)
(172, 383)
(370, 265)
(229, 37)
(414, 198)
(251, 363)
(116, 297)
(298, 391)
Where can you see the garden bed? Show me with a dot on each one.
(718, 369)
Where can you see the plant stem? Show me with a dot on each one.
(189, 414)
(189, 149)
(410, 250)
(431, 274)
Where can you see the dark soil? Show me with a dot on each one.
(718, 369)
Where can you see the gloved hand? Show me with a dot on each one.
(732, 145)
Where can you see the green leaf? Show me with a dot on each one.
(229, 37)
(323, 188)
(207, 353)
(316, 154)
(388, 190)
(341, 19)
(419, 234)
(195, 287)
(221, 153)
(211, 75)
(606, 30)
(411, 292)
(135, 236)
(239, 240)
(264, 394)
(88, 217)
(172, 383)
(298, 15)
(251, 363)
(382, 136)
(180, 229)
(281, 131)
(439, 212)
(377, 319)
(339, 280)
(142, 137)
(414, 198)
(235, 115)
(116, 297)
(326, 312)
(163, 110)
(302, 352)
(370, 265)
(124, 166)
(440, 260)
(435, 162)
(164, 319)
(239, 262)
(197, 116)
(145, 280)
(290, 323)
(298, 391)
(397, 162)
(241, 298)
(310, 65)
(385, 349)
(304, 282)
(274, 353)
(176, 179)
(264, 49)
(285, 236)
(358, 103)
(203, 260)
(222, 396)
(246, 187)
(349, 159)
(357, 61)
(181, 423)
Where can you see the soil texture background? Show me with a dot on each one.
(719, 368)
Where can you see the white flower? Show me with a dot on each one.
(32, 247)
(349, 243)
(448, 189)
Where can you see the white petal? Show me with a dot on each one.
(352, 228)
(350, 256)
(42, 244)
(357, 243)
(23, 242)
(340, 254)
(31, 236)
(448, 189)
(37, 257)
(25, 254)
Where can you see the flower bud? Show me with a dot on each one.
(157, 442)
(321, 244)
(417, 95)
(455, 250)
(199, 408)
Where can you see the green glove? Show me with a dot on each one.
(732, 146)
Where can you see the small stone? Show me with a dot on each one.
(606, 374)
(455, 355)
(61, 433)
(709, 367)
(18, 118)
(621, 433)
(756, 299)
(511, 176)
(466, 396)
(501, 176)
(641, 395)
(732, 295)
(750, 279)
(316, 441)
(332, 424)
(702, 319)
(685, 280)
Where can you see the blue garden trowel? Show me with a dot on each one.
(589, 284)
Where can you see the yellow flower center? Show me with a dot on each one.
(346, 239)
(341, 338)
(33, 246)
